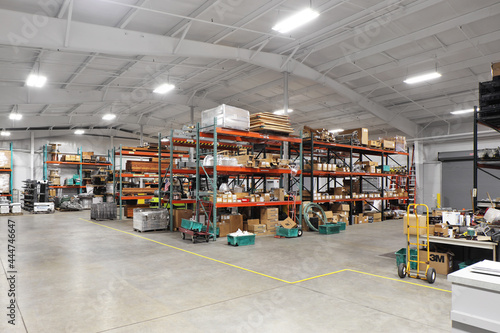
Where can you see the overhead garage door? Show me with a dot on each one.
(457, 174)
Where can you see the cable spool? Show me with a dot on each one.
(315, 209)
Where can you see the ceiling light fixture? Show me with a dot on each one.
(282, 112)
(109, 116)
(338, 130)
(462, 111)
(422, 78)
(79, 131)
(35, 80)
(296, 20)
(164, 88)
(15, 116)
(5, 133)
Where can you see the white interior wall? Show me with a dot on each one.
(69, 145)
(431, 176)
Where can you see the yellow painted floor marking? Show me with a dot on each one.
(265, 275)
(398, 280)
(186, 251)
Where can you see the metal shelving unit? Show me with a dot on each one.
(254, 177)
(349, 154)
(79, 165)
(487, 115)
(119, 174)
(10, 172)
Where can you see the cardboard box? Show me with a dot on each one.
(180, 214)
(257, 228)
(339, 191)
(338, 207)
(375, 143)
(288, 223)
(253, 221)
(224, 229)
(495, 69)
(318, 166)
(235, 222)
(362, 134)
(377, 217)
(413, 222)
(279, 193)
(4, 159)
(268, 214)
(388, 144)
(441, 262)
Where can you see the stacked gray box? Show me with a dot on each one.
(103, 211)
(146, 219)
(227, 116)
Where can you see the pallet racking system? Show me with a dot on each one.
(349, 154)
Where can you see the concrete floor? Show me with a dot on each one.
(78, 276)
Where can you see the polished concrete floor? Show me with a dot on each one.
(78, 276)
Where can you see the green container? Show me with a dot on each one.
(191, 225)
(241, 240)
(384, 168)
(217, 230)
(342, 225)
(401, 257)
(466, 263)
(329, 228)
(284, 232)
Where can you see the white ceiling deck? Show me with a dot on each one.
(346, 68)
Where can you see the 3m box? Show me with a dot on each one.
(236, 222)
(441, 262)
(223, 229)
(279, 194)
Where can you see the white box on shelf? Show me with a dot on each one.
(15, 208)
(227, 116)
(4, 208)
(43, 207)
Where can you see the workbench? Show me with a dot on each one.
(465, 243)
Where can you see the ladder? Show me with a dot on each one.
(411, 185)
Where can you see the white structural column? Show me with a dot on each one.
(32, 155)
(91, 38)
(419, 174)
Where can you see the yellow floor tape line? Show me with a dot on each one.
(265, 275)
(186, 251)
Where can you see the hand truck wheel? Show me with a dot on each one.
(299, 233)
(194, 239)
(431, 275)
(183, 235)
(402, 270)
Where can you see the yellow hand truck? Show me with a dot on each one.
(416, 260)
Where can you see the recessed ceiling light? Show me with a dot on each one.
(462, 111)
(37, 81)
(164, 88)
(109, 116)
(422, 78)
(283, 111)
(296, 20)
(338, 130)
(15, 116)
(79, 131)
(5, 133)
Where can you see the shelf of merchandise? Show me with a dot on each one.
(79, 165)
(349, 154)
(487, 116)
(10, 172)
(256, 143)
(119, 174)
